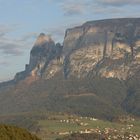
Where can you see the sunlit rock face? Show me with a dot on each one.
(42, 55)
(109, 48)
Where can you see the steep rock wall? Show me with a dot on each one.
(91, 45)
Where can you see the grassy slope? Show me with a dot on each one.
(47, 125)
(103, 100)
(51, 127)
(104, 97)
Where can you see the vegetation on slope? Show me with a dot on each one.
(15, 133)
(93, 96)
(132, 101)
(61, 125)
(99, 97)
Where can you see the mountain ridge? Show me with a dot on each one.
(98, 57)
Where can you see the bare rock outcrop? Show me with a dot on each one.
(42, 55)
(107, 48)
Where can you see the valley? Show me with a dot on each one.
(51, 125)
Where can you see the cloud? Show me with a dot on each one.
(58, 32)
(100, 9)
(71, 9)
(4, 63)
(7, 45)
(5, 29)
(119, 2)
(11, 47)
(29, 36)
(11, 50)
(80, 7)
(14, 47)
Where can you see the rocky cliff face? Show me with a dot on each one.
(107, 48)
(97, 63)
(44, 54)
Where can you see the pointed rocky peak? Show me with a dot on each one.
(42, 39)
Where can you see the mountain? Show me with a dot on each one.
(95, 72)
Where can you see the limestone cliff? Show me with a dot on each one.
(98, 62)
(43, 53)
(107, 48)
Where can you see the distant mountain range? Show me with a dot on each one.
(95, 72)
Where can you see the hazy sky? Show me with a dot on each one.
(21, 21)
